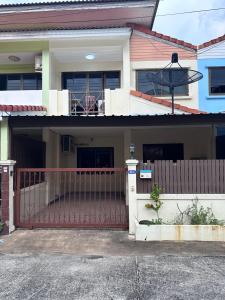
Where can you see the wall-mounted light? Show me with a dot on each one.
(14, 58)
(90, 56)
(132, 151)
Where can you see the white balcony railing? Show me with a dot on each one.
(86, 103)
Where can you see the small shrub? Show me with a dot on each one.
(157, 203)
(151, 222)
(1, 226)
(196, 215)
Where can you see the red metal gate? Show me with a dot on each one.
(84, 198)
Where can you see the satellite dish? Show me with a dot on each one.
(185, 77)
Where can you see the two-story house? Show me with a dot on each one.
(75, 93)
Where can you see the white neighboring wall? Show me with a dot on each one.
(212, 52)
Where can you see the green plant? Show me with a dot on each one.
(151, 222)
(1, 226)
(201, 215)
(157, 203)
(196, 215)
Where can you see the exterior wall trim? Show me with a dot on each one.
(64, 34)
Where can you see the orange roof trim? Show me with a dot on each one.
(212, 42)
(16, 108)
(164, 37)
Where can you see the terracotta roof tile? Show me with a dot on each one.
(164, 37)
(212, 42)
(16, 108)
(166, 103)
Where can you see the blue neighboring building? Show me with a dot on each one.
(211, 62)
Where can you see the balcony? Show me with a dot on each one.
(86, 103)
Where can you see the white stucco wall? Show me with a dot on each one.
(121, 102)
(58, 103)
(26, 97)
(169, 211)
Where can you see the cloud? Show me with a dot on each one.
(196, 27)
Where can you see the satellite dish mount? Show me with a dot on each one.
(186, 77)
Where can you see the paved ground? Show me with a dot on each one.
(113, 277)
(103, 265)
(100, 242)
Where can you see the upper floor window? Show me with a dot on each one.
(217, 81)
(16, 82)
(145, 86)
(91, 81)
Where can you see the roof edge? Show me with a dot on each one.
(166, 103)
(146, 30)
(154, 14)
(212, 42)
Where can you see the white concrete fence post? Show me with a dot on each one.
(132, 193)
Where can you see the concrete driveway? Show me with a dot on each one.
(114, 277)
(100, 242)
(95, 265)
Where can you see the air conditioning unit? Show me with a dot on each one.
(67, 142)
(38, 63)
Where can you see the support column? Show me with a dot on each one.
(132, 193)
(4, 139)
(126, 66)
(127, 142)
(45, 77)
(7, 196)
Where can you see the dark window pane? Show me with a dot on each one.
(95, 81)
(95, 157)
(31, 81)
(39, 82)
(3, 82)
(91, 81)
(112, 80)
(217, 80)
(14, 82)
(146, 85)
(163, 152)
(76, 82)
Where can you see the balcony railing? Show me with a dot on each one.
(86, 103)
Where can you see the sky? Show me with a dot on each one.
(195, 28)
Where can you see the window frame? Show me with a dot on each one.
(110, 149)
(157, 70)
(209, 81)
(21, 83)
(87, 77)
